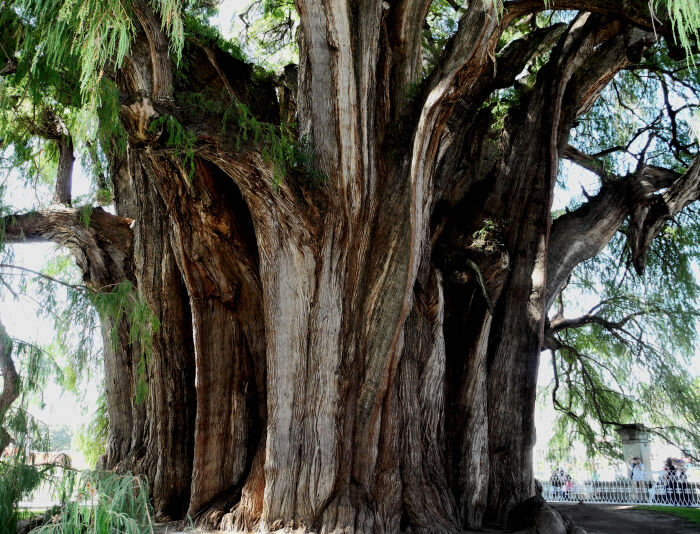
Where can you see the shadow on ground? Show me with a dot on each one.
(622, 519)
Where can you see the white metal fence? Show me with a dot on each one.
(659, 489)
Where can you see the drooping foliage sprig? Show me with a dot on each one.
(101, 503)
(124, 302)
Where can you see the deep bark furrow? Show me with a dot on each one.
(164, 447)
(218, 266)
(222, 424)
(420, 382)
(467, 328)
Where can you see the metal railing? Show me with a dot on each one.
(660, 489)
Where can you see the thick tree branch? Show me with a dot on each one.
(100, 241)
(64, 172)
(649, 219)
(581, 234)
(584, 160)
(575, 47)
(584, 320)
(10, 383)
(610, 58)
(635, 12)
(44, 276)
(60, 225)
(466, 133)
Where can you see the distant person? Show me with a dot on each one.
(682, 476)
(558, 481)
(638, 478)
(671, 482)
(569, 485)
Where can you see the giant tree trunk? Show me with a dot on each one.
(359, 355)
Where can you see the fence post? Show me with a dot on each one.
(635, 444)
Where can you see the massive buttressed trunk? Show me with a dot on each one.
(356, 352)
(360, 355)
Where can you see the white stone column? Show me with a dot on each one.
(635, 444)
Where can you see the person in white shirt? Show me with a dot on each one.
(638, 477)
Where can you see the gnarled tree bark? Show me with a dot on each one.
(359, 356)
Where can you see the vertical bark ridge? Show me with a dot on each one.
(517, 329)
(328, 42)
(303, 349)
(215, 252)
(163, 449)
(421, 379)
(119, 390)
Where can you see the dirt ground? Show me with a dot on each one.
(622, 519)
(172, 529)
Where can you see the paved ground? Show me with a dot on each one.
(622, 519)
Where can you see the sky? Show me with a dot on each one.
(22, 321)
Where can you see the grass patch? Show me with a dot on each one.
(691, 514)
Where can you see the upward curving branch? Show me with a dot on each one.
(649, 219)
(581, 234)
(162, 72)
